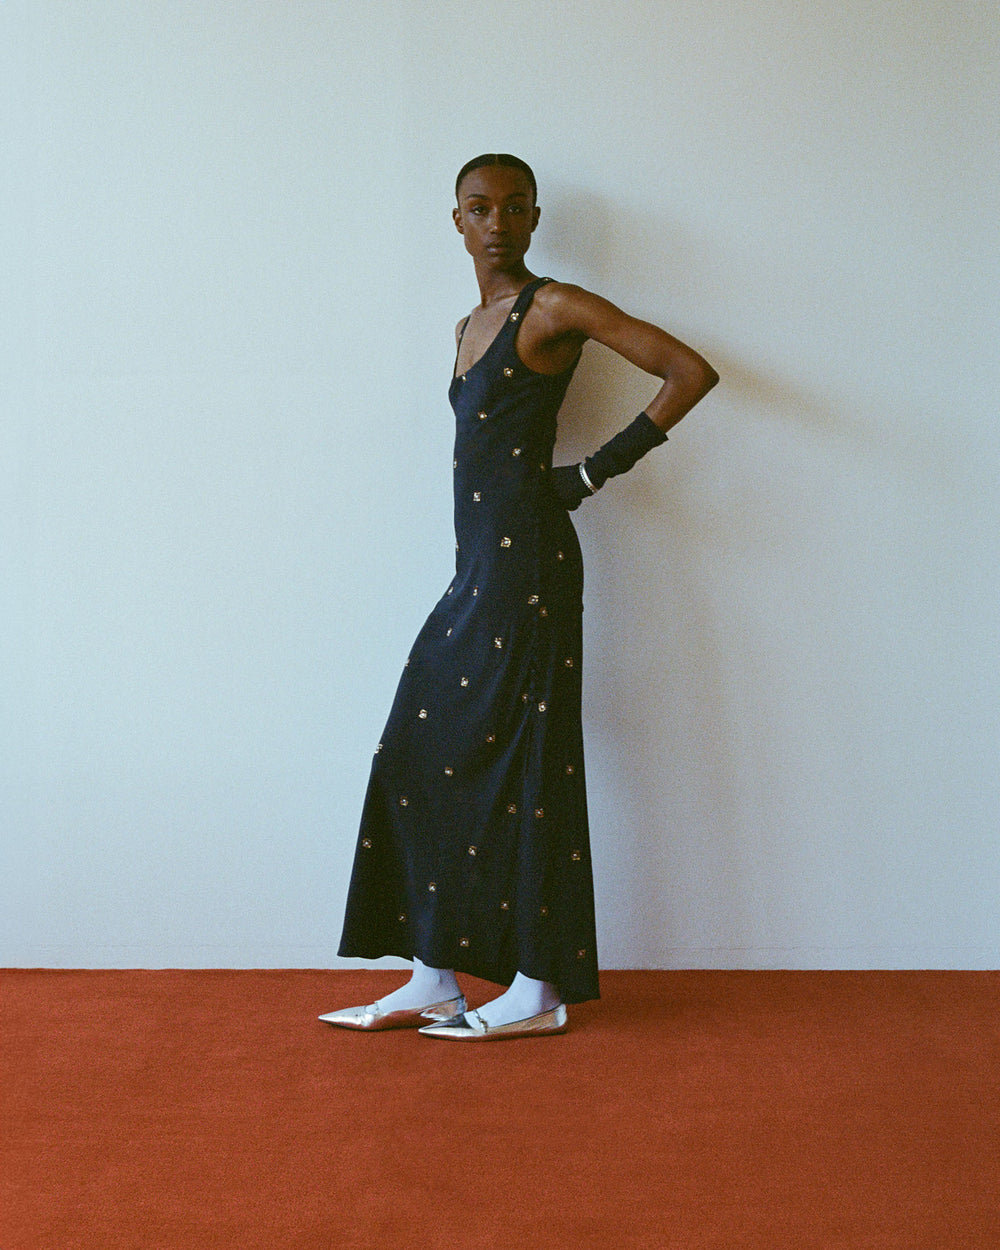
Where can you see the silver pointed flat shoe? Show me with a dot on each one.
(470, 1026)
(374, 1019)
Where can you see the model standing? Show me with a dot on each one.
(473, 854)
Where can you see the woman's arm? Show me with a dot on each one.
(566, 316)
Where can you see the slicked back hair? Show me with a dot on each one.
(498, 158)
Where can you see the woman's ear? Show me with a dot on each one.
(456, 216)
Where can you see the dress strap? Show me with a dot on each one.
(458, 346)
(525, 296)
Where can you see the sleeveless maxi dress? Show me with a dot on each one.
(473, 852)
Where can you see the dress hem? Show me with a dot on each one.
(467, 968)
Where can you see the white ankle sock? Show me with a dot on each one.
(426, 986)
(526, 997)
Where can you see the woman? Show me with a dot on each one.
(473, 854)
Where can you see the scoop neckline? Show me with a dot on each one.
(535, 282)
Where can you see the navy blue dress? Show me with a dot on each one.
(474, 850)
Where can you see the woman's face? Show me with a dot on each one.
(496, 214)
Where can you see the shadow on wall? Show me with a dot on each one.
(654, 683)
(756, 605)
(609, 249)
(663, 733)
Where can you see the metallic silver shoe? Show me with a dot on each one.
(471, 1027)
(373, 1018)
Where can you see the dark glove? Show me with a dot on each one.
(620, 453)
(617, 455)
(568, 486)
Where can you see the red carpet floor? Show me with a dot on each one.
(741, 1110)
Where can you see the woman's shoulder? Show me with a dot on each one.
(552, 291)
(566, 298)
(565, 306)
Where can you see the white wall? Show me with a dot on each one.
(229, 283)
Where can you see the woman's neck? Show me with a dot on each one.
(496, 285)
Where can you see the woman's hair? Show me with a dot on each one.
(497, 158)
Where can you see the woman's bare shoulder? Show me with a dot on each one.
(560, 294)
(569, 308)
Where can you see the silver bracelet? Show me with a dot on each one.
(586, 480)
